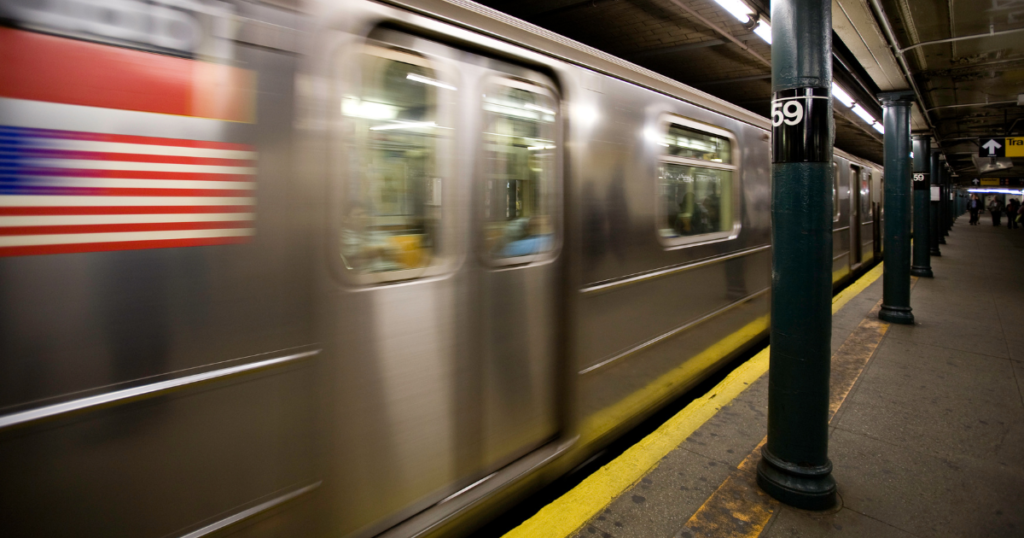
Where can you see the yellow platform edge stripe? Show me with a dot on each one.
(840, 299)
(571, 511)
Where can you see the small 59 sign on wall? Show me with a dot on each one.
(800, 126)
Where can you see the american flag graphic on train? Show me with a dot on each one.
(67, 191)
(70, 191)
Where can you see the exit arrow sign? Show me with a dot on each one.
(993, 147)
(1001, 147)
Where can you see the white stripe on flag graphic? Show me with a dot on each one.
(64, 220)
(140, 149)
(85, 201)
(111, 183)
(70, 239)
(86, 164)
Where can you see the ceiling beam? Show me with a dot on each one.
(724, 33)
(894, 44)
(678, 48)
(961, 38)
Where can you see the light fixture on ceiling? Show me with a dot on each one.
(863, 114)
(764, 31)
(737, 9)
(991, 164)
(743, 13)
(843, 97)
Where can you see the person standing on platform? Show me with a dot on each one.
(996, 208)
(974, 206)
(1011, 213)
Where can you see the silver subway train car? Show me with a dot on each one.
(349, 268)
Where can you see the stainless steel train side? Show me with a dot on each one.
(857, 217)
(352, 371)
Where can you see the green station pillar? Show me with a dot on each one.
(921, 264)
(794, 466)
(950, 202)
(934, 204)
(944, 204)
(896, 272)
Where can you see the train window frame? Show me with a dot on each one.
(866, 197)
(835, 191)
(553, 179)
(666, 121)
(347, 154)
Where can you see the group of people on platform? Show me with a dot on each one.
(1014, 211)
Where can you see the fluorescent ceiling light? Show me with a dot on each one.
(535, 148)
(419, 78)
(404, 125)
(863, 114)
(995, 191)
(844, 98)
(738, 9)
(764, 31)
(878, 127)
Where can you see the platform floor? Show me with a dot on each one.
(927, 437)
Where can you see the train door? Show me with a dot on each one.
(517, 194)
(867, 217)
(442, 307)
(878, 182)
(855, 216)
(395, 306)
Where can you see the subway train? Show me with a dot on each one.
(352, 268)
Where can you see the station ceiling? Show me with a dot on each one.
(964, 58)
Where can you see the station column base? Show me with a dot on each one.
(896, 314)
(809, 488)
(918, 270)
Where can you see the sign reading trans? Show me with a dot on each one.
(1001, 147)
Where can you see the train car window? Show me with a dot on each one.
(390, 220)
(692, 144)
(835, 191)
(865, 199)
(520, 151)
(697, 191)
